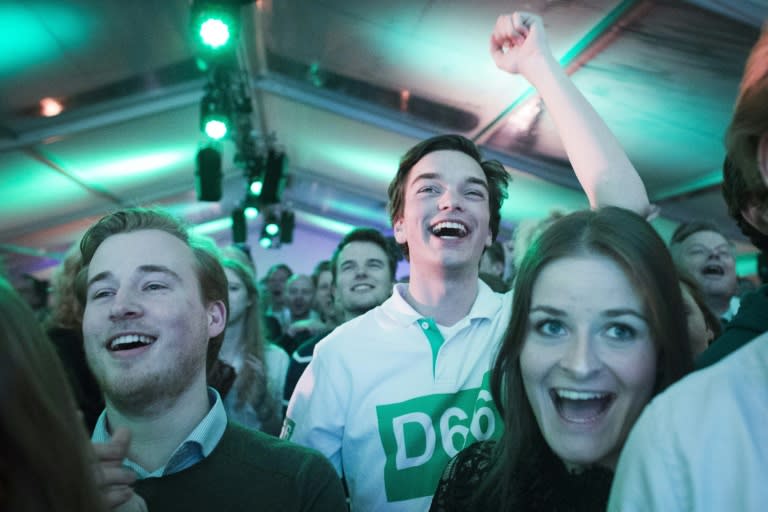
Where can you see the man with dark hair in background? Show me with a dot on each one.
(362, 275)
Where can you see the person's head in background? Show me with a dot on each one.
(597, 328)
(65, 310)
(745, 172)
(276, 279)
(703, 325)
(240, 252)
(527, 231)
(299, 292)
(703, 252)
(244, 346)
(322, 279)
(244, 308)
(363, 267)
(46, 462)
(492, 261)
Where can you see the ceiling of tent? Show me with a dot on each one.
(344, 88)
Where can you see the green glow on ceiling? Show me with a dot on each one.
(213, 226)
(364, 161)
(105, 172)
(334, 226)
(33, 36)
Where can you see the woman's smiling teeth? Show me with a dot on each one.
(129, 341)
(449, 230)
(581, 406)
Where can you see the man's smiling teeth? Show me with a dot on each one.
(130, 341)
(449, 229)
(713, 269)
(362, 286)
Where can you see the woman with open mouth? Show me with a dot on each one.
(598, 328)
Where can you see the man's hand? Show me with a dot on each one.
(113, 479)
(517, 40)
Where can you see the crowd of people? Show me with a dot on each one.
(583, 365)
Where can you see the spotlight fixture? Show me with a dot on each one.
(270, 231)
(215, 25)
(287, 223)
(239, 227)
(214, 113)
(208, 174)
(272, 180)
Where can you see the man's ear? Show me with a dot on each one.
(217, 318)
(762, 158)
(752, 213)
(399, 227)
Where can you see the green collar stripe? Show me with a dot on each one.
(434, 337)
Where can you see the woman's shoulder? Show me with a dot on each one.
(462, 476)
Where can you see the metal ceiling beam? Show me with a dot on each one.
(106, 114)
(585, 49)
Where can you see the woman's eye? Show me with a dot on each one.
(155, 286)
(476, 193)
(550, 328)
(101, 293)
(620, 332)
(427, 189)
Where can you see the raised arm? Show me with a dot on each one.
(519, 45)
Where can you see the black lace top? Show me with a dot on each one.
(545, 485)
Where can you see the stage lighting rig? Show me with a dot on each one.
(208, 173)
(215, 26)
(215, 113)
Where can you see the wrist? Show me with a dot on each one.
(539, 68)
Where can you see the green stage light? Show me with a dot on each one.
(214, 32)
(215, 26)
(255, 187)
(216, 128)
(214, 113)
(251, 212)
(265, 242)
(272, 229)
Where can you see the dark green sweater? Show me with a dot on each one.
(750, 322)
(249, 471)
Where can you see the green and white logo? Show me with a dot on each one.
(421, 435)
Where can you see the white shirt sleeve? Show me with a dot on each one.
(317, 410)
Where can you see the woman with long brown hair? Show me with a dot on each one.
(255, 397)
(45, 462)
(598, 328)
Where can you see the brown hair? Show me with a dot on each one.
(494, 171)
(630, 241)
(742, 181)
(213, 281)
(46, 460)
(251, 385)
(66, 309)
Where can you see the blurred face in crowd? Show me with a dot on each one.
(708, 257)
(363, 279)
(299, 294)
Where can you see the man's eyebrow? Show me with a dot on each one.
(152, 269)
(144, 269)
(101, 276)
(473, 180)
